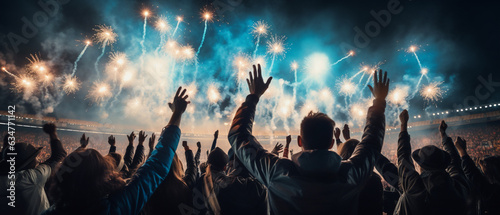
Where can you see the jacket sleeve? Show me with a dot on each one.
(454, 168)
(138, 157)
(258, 161)
(127, 158)
(474, 175)
(367, 151)
(388, 170)
(191, 172)
(214, 144)
(409, 179)
(148, 177)
(112, 149)
(197, 157)
(57, 153)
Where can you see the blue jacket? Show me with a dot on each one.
(134, 195)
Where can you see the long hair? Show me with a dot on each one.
(84, 178)
(209, 191)
(171, 194)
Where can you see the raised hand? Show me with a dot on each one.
(131, 138)
(278, 148)
(216, 134)
(84, 141)
(179, 104)
(336, 133)
(403, 117)
(346, 132)
(185, 145)
(142, 137)
(152, 141)
(111, 140)
(380, 87)
(461, 146)
(442, 128)
(49, 128)
(256, 84)
(288, 140)
(198, 144)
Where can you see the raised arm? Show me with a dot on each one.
(336, 133)
(278, 148)
(190, 175)
(112, 142)
(473, 174)
(139, 155)
(57, 152)
(249, 151)
(287, 146)
(198, 154)
(130, 149)
(149, 176)
(214, 143)
(409, 179)
(454, 169)
(367, 151)
(151, 143)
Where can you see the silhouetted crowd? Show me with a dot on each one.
(431, 174)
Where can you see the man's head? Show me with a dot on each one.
(316, 131)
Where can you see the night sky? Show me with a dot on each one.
(459, 41)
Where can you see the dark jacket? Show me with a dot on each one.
(314, 181)
(235, 195)
(134, 195)
(371, 200)
(437, 192)
(489, 193)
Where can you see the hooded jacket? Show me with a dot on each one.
(314, 181)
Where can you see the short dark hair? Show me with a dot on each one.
(316, 131)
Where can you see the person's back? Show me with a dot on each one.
(28, 194)
(315, 181)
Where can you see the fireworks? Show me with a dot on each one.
(213, 94)
(325, 94)
(187, 52)
(179, 20)
(5, 70)
(294, 65)
(347, 87)
(162, 25)
(286, 107)
(37, 65)
(351, 53)
(75, 64)
(146, 13)
(127, 77)
(191, 90)
(432, 92)
(241, 62)
(317, 66)
(104, 35)
(413, 48)
(275, 45)
(260, 28)
(358, 112)
(25, 84)
(118, 58)
(398, 95)
(424, 71)
(100, 91)
(70, 85)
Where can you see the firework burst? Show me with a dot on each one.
(432, 92)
